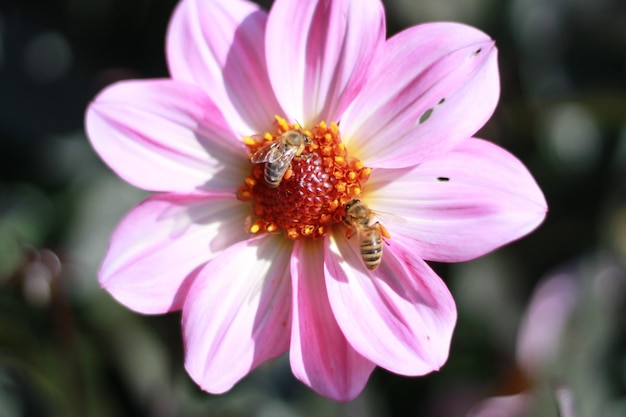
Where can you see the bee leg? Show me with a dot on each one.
(384, 232)
(350, 231)
(288, 174)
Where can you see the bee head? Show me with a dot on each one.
(351, 204)
(296, 138)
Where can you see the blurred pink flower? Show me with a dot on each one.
(542, 327)
(258, 271)
(540, 339)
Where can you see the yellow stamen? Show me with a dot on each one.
(319, 180)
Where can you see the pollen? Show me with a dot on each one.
(314, 181)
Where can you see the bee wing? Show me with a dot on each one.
(385, 217)
(288, 152)
(270, 152)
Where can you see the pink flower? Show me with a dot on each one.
(259, 271)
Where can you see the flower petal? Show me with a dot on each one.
(237, 313)
(540, 337)
(320, 355)
(161, 135)
(319, 54)
(219, 46)
(461, 205)
(436, 85)
(160, 242)
(400, 316)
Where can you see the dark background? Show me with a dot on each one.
(67, 349)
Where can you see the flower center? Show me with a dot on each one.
(300, 181)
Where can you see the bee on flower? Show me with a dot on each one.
(278, 155)
(359, 219)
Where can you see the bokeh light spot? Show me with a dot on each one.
(47, 57)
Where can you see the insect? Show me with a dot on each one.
(279, 154)
(358, 217)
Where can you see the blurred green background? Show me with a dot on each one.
(540, 321)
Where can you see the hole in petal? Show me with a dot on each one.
(425, 116)
(428, 112)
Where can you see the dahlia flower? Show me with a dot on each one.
(259, 270)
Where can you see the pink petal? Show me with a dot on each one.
(237, 313)
(461, 205)
(540, 335)
(162, 241)
(320, 355)
(160, 135)
(432, 89)
(319, 54)
(400, 316)
(219, 46)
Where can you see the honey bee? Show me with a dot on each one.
(358, 217)
(278, 155)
